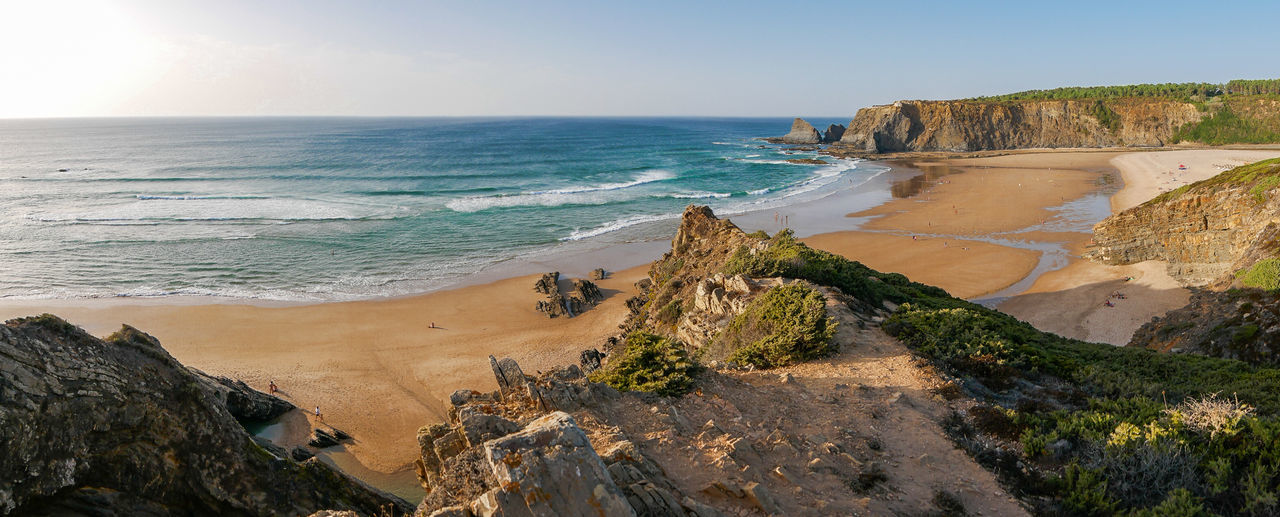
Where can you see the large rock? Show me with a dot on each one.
(973, 125)
(547, 283)
(119, 427)
(802, 132)
(833, 133)
(550, 469)
(243, 402)
(586, 291)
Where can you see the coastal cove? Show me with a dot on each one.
(380, 372)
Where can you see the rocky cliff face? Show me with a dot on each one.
(802, 132)
(973, 126)
(1204, 231)
(119, 427)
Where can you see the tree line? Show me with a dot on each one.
(1184, 91)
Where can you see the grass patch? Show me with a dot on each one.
(783, 326)
(650, 363)
(1108, 118)
(1265, 274)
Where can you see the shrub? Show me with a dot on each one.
(785, 325)
(650, 363)
(1265, 274)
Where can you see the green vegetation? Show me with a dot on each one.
(1107, 430)
(1225, 127)
(1180, 91)
(787, 257)
(1265, 274)
(1108, 118)
(650, 363)
(1254, 87)
(786, 325)
(1260, 178)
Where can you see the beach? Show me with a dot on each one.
(974, 226)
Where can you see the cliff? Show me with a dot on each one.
(977, 125)
(1205, 230)
(1209, 233)
(119, 427)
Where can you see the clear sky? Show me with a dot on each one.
(476, 57)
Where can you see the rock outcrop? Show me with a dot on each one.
(516, 451)
(119, 427)
(1239, 324)
(802, 132)
(243, 402)
(972, 125)
(1204, 231)
(833, 134)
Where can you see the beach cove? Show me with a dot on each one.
(978, 227)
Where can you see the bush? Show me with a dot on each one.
(650, 363)
(785, 325)
(1265, 274)
(1225, 127)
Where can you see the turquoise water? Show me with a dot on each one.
(313, 209)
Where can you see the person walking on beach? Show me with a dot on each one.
(272, 386)
(318, 415)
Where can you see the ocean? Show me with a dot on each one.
(323, 209)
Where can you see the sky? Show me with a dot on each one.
(85, 58)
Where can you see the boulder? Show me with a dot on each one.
(299, 453)
(587, 291)
(833, 133)
(547, 284)
(553, 306)
(590, 360)
(599, 274)
(802, 132)
(321, 439)
(550, 469)
(508, 374)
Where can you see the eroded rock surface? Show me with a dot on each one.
(118, 426)
(802, 132)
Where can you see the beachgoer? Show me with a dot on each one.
(272, 385)
(433, 324)
(318, 415)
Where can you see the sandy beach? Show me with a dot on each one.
(376, 368)
(1072, 301)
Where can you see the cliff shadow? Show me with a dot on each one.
(1104, 312)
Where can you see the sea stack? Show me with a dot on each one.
(802, 132)
(833, 133)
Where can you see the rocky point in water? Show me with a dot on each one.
(802, 132)
(119, 427)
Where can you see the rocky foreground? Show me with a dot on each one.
(119, 427)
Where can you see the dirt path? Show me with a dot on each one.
(854, 434)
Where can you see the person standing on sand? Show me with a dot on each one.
(318, 415)
(272, 386)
